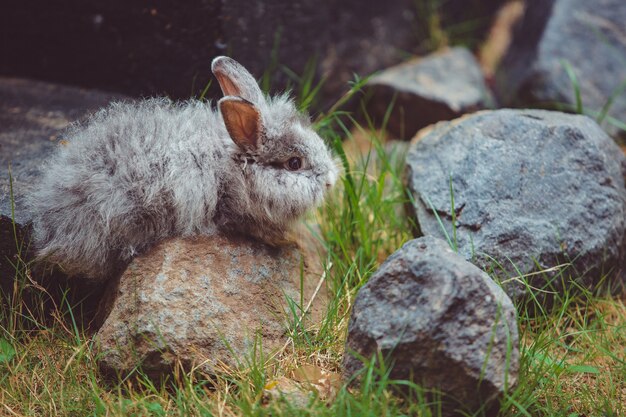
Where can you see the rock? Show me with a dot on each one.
(32, 115)
(440, 321)
(533, 190)
(141, 49)
(345, 37)
(340, 38)
(289, 391)
(423, 91)
(162, 48)
(115, 46)
(589, 36)
(203, 302)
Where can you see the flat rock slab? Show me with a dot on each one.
(440, 321)
(533, 191)
(205, 302)
(590, 36)
(442, 86)
(32, 116)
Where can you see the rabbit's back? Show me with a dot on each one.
(128, 177)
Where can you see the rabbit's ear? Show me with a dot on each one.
(235, 80)
(242, 120)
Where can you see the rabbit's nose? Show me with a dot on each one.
(331, 178)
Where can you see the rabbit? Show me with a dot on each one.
(136, 173)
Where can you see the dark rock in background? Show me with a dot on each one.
(165, 47)
(32, 115)
(442, 86)
(204, 302)
(588, 35)
(343, 36)
(533, 190)
(440, 321)
(139, 48)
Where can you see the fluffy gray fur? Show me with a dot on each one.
(134, 174)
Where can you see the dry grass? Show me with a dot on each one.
(576, 358)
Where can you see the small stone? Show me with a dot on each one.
(587, 35)
(426, 90)
(288, 390)
(539, 197)
(441, 322)
(204, 302)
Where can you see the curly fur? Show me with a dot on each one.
(136, 173)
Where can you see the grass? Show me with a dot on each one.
(573, 358)
(601, 116)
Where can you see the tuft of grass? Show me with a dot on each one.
(569, 70)
(601, 115)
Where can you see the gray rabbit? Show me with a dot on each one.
(133, 174)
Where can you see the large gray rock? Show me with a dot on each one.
(203, 302)
(440, 321)
(589, 35)
(32, 116)
(442, 86)
(532, 189)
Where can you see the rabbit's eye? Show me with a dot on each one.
(294, 163)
